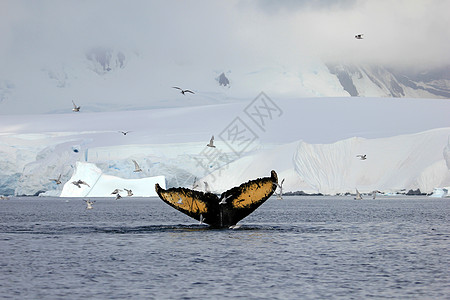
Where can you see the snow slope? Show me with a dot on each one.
(312, 143)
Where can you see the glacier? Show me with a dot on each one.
(312, 143)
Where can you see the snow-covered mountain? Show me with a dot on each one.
(109, 79)
(312, 143)
(373, 80)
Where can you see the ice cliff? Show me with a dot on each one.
(313, 143)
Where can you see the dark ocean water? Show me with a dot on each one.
(297, 248)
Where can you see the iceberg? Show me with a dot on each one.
(440, 192)
(102, 185)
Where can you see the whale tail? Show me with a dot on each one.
(232, 206)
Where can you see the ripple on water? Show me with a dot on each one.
(297, 248)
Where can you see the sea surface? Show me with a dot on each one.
(295, 248)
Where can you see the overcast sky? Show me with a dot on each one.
(411, 32)
(189, 43)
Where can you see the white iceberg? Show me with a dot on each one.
(440, 192)
(102, 185)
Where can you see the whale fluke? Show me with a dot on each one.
(213, 210)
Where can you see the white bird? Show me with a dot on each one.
(358, 195)
(79, 182)
(89, 204)
(58, 181)
(136, 167)
(129, 192)
(116, 191)
(3, 197)
(280, 186)
(374, 194)
(206, 186)
(362, 157)
(211, 142)
(180, 201)
(359, 36)
(75, 107)
(201, 219)
(195, 184)
(225, 199)
(183, 91)
(124, 132)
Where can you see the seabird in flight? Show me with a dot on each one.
(58, 181)
(79, 182)
(129, 192)
(206, 187)
(211, 142)
(136, 166)
(116, 191)
(183, 91)
(75, 107)
(280, 186)
(89, 204)
(195, 184)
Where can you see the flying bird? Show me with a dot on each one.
(358, 195)
(362, 157)
(195, 184)
(116, 191)
(118, 196)
(280, 186)
(206, 187)
(359, 36)
(183, 91)
(224, 199)
(75, 107)
(79, 183)
(129, 192)
(124, 132)
(58, 181)
(211, 142)
(136, 166)
(89, 204)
